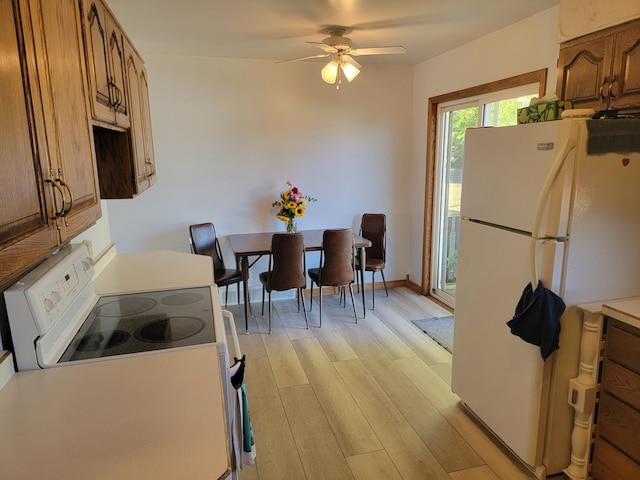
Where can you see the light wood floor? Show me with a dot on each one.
(360, 401)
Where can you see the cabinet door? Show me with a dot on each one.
(96, 44)
(59, 50)
(625, 86)
(26, 231)
(149, 156)
(134, 70)
(584, 72)
(115, 52)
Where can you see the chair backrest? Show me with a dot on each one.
(288, 268)
(205, 242)
(337, 252)
(374, 228)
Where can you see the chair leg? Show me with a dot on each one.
(373, 290)
(226, 295)
(269, 312)
(343, 297)
(304, 307)
(311, 297)
(384, 282)
(263, 289)
(320, 288)
(353, 303)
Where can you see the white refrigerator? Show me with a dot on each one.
(536, 205)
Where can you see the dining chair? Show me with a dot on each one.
(374, 228)
(286, 269)
(337, 264)
(204, 241)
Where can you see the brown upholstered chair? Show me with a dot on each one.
(205, 242)
(286, 269)
(336, 264)
(374, 229)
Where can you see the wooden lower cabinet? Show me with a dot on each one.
(49, 187)
(617, 445)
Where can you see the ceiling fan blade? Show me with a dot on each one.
(377, 51)
(320, 55)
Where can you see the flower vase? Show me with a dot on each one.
(291, 226)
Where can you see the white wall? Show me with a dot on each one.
(229, 133)
(520, 48)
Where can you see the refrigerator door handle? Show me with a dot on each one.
(557, 165)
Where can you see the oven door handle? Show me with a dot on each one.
(234, 334)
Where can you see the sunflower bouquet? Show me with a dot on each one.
(291, 204)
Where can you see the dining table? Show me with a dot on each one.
(246, 245)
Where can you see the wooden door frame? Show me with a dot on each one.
(432, 137)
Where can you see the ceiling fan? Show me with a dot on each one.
(342, 62)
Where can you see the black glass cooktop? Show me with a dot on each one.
(142, 322)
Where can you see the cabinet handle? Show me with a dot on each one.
(614, 79)
(66, 185)
(118, 97)
(152, 168)
(604, 82)
(56, 186)
(114, 93)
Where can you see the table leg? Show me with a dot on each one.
(363, 261)
(244, 265)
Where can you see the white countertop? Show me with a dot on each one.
(162, 270)
(154, 417)
(626, 310)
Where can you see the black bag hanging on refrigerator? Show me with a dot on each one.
(537, 318)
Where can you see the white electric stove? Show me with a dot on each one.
(57, 318)
(63, 314)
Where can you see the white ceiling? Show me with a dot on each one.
(278, 29)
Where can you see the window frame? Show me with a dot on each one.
(537, 76)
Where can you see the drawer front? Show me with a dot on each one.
(622, 383)
(623, 348)
(619, 425)
(610, 464)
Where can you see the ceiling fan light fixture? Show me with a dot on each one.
(350, 70)
(330, 72)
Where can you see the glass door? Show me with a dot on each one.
(496, 109)
(454, 120)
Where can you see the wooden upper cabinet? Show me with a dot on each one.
(141, 140)
(150, 161)
(602, 70)
(26, 228)
(104, 44)
(67, 112)
(120, 105)
(49, 189)
(625, 91)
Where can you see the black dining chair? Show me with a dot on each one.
(204, 241)
(374, 228)
(336, 268)
(286, 269)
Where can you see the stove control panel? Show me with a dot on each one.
(55, 284)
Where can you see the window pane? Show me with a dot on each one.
(504, 112)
